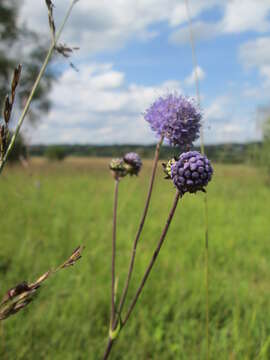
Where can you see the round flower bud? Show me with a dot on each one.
(191, 172)
(175, 117)
(167, 168)
(117, 167)
(133, 163)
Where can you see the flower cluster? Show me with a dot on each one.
(175, 117)
(191, 172)
(178, 120)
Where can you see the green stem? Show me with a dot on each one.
(207, 276)
(114, 251)
(146, 274)
(145, 211)
(30, 98)
(108, 349)
(154, 257)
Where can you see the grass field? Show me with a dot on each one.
(49, 209)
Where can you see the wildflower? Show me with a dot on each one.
(175, 117)
(117, 167)
(191, 172)
(133, 163)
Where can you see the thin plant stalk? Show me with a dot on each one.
(146, 274)
(207, 275)
(38, 79)
(135, 243)
(114, 251)
(154, 257)
(206, 243)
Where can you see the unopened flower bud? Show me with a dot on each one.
(118, 169)
(133, 163)
(167, 168)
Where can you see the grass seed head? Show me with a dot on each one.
(18, 297)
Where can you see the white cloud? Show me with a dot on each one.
(191, 79)
(225, 121)
(201, 31)
(246, 15)
(253, 92)
(265, 73)
(96, 105)
(179, 14)
(229, 132)
(99, 25)
(111, 80)
(238, 16)
(86, 111)
(256, 54)
(216, 111)
(102, 24)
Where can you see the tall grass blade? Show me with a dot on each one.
(32, 93)
(206, 244)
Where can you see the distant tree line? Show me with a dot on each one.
(224, 153)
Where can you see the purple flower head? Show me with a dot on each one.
(133, 163)
(191, 172)
(177, 118)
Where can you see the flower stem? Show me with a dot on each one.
(206, 277)
(147, 272)
(108, 349)
(145, 211)
(154, 257)
(38, 79)
(114, 251)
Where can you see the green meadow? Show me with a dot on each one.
(48, 209)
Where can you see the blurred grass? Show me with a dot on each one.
(49, 209)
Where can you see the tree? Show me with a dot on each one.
(55, 152)
(12, 34)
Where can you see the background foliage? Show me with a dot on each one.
(60, 205)
(17, 43)
(224, 153)
(55, 153)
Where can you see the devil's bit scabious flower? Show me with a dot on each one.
(117, 167)
(133, 163)
(191, 172)
(175, 117)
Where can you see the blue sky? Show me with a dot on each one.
(132, 52)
